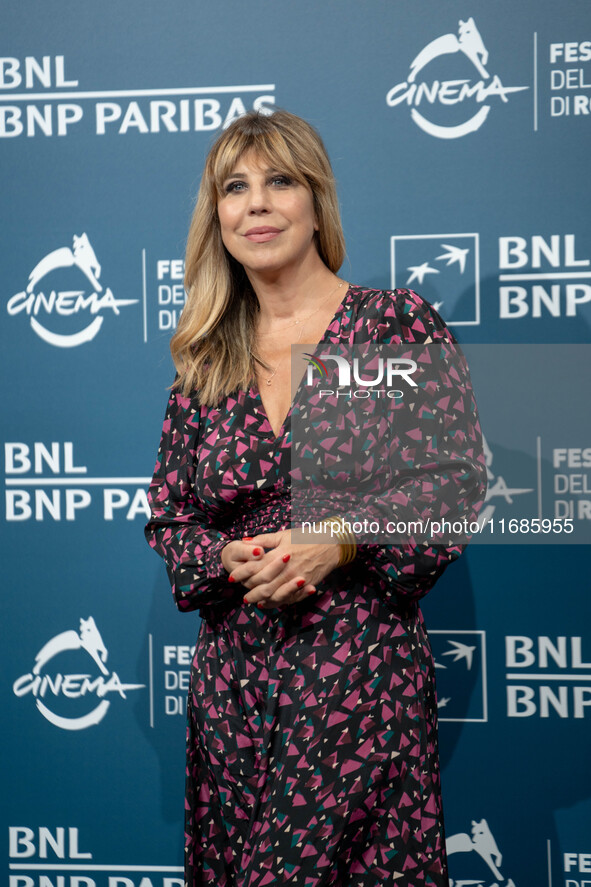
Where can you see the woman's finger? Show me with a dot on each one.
(245, 569)
(308, 591)
(303, 594)
(268, 571)
(267, 540)
(269, 596)
(265, 590)
(237, 552)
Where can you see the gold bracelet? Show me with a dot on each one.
(346, 539)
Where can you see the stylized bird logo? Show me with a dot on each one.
(419, 272)
(461, 651)
(454, 254)
(441, 703)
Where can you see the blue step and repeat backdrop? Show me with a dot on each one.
(460, 138)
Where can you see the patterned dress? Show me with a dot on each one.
(312, 730)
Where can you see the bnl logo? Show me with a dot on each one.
(444, 269)
(460, 663)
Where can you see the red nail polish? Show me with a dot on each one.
(247, 538)
(301, 583)
(231, 579)
(312, 591)
(246, 601)
(257, 551)
(285, 558)
(260, 605)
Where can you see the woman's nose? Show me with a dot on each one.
(258, 199)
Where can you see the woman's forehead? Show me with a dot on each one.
(258, 158)
(252, 159)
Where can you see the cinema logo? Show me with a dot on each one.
(43, 481)
(75, 267)
(547, 677)
(464, 92)
(496, 488)
(477, 857)
(52, 688)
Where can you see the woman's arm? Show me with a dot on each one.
(411, 461)
(178, 529)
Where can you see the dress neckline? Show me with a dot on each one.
(256, 394)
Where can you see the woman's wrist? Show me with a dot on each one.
(341, 530)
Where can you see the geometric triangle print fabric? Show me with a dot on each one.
(312, 739)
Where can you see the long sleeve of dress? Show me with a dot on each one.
(439, 469)
(426, 467)
(178, 529)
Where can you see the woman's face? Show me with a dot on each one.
(267, 219)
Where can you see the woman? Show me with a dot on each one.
(311, 744)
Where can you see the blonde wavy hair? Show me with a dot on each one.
(212, 347)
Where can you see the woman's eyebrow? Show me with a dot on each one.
(242, 175)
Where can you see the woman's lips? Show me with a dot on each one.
(262, 235)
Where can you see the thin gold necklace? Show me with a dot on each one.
(301, 323)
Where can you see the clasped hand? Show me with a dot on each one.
(276, 571)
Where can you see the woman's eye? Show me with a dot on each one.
(281, 181)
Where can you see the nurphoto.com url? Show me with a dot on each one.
(437, 531)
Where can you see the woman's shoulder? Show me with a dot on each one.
(183, 409)
(394, 314)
